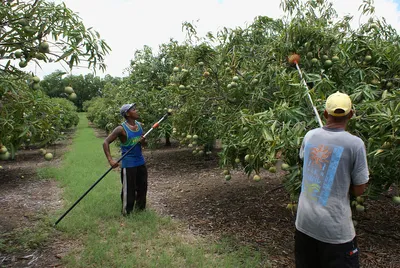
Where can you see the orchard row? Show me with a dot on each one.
(239, 87)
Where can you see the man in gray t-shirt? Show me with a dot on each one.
(335, 165)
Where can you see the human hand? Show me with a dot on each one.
(142, 140)
(113, 164)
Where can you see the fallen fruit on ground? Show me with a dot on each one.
(48, 156)
(256, 178)
(228, 177)
(5, 156)
(272, 169)
(396, 199)
(360, 208)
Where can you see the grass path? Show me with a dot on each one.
(141, 240)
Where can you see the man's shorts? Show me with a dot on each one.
(312, 253)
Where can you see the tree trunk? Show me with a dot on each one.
(167, 141)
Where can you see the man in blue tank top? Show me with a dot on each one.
(133, 168)
(335, 166)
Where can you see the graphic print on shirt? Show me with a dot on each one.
(133, 137)
(320, 164)
(132, 141)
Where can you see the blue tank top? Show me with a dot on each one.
(135, 157)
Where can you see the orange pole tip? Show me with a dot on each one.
(155, 125)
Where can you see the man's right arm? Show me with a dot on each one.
(106, 145)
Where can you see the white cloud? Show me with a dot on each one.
(128, 25)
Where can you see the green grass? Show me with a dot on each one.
(143, 239)
(24, 238)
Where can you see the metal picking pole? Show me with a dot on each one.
(309, 96)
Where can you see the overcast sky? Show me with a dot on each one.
(128, 25)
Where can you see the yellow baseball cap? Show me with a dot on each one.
(338, 104)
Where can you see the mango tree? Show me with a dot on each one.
(30, 117)
(38, 32)
(238, 86)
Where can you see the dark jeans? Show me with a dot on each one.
(312, 253)
(134, 188)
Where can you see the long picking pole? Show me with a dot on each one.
(91, 187)
(308, 94)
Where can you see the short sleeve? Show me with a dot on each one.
(303, 143)
(360, 173)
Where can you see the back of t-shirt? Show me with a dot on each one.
(333, 159)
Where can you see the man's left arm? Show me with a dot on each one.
(360, 173)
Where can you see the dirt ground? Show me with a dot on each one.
(192, 190)
(25, 201)
(254, 213)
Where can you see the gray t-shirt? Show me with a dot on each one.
(333, 159)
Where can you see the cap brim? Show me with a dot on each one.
(131, 106)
